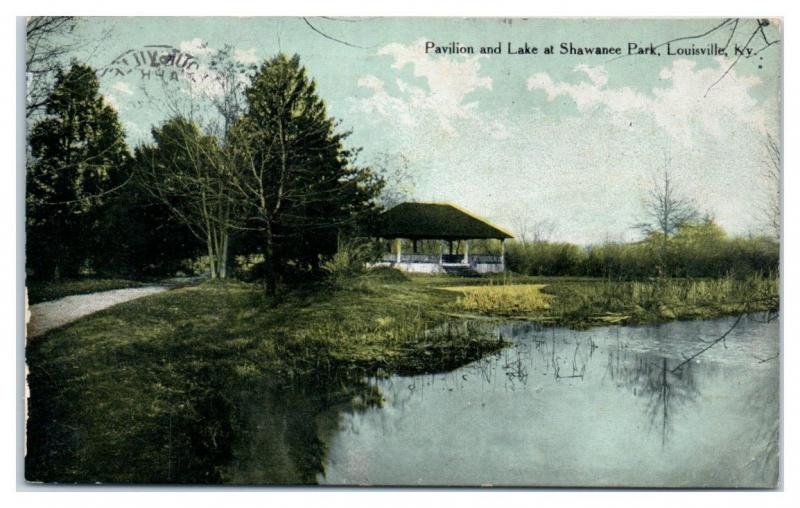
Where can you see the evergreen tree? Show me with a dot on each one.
(300, 182)
(78, 158)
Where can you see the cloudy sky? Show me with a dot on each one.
(574, 140)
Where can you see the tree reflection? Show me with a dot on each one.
(654, 379)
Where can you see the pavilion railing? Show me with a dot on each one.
(489, 260)
(445, 258)
(412, 258)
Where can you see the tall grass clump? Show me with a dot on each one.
(507, 299)
(350, 260)
(664, 298)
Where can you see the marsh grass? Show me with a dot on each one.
(581, 302)
(503, 300)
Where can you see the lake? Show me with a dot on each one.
(609, 406)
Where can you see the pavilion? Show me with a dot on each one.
(446, 223)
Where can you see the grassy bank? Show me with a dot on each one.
(157, 389)
(44, 291)
(582, 302)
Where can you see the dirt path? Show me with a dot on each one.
(48, 315)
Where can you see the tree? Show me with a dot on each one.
(189, 169)
(528, 229)
(231, 79)
(47, 45)
(299, 182)
(772, 175)
(187, 173)
(143, 237)
(665, 211)
(398, 182)
(78, 159)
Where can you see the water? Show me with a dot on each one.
(611, 406)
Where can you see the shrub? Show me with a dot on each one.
(697, 250)
(350, 260)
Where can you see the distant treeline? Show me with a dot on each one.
(696, 250)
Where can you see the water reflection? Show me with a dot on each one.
(552, 411)
(651, 378)
(283, 429)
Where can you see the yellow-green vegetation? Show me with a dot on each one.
(503, 300)
(583, 302)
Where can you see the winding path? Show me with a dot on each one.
(48, 315)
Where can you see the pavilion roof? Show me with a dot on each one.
(435, 221)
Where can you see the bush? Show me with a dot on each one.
(545, 258)
(697, 250)
(350, 260)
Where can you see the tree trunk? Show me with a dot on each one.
(270, 282)
(223, 257)
(212, 257)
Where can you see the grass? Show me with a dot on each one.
(581, 302)
(40, 291)
(502, 300)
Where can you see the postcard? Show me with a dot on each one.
(452, 252)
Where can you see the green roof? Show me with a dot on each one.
(435, 221)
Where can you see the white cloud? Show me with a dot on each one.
(384, 104)
(197, 48)
(449, 81)
(245, 56)
(683, 109)
(122, 87)
(207, 82)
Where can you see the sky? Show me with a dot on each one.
(566, 139)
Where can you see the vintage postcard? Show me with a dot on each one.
(404, 251)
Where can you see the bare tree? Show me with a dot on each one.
(666, 210)
(399, 184)
(48, 44)
(188, 172)
(230, 79)
(529, 229)
(192, 170)
(771, 209)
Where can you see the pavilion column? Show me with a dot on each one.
(441, 251)
(399, 243)
(503, 254)
(466, 251)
